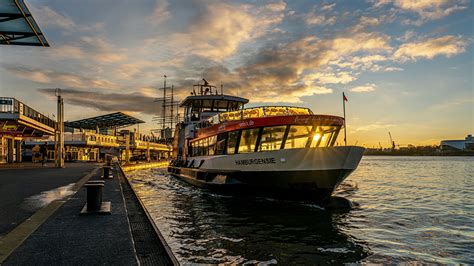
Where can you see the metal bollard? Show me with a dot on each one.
(94, 196)
(106, 172)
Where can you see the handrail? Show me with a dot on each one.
(258, 112)
(13, 106)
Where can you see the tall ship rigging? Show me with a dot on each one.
(273, 151)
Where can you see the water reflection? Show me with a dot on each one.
(411, 209)
(44, 198)
(203, 227)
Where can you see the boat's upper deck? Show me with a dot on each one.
(259, 112)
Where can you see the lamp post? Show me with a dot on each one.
(59, 142)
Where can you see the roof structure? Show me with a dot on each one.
(195, 99)
(114, 120)
(17, 25)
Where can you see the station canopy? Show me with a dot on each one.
(114, 120)
(17, 25)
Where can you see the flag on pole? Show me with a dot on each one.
(344, 100)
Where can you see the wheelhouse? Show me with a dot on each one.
(206, 101)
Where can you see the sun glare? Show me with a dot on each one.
(316, 137)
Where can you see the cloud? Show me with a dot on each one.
(67, 52)
(276, 6)
(313, 19)
(427, 9)
(110, 57)
(453, 103)
(109, 102)
(365, 63)
(56, 78)
(369, 87)
(447, 45)
(218, 28)
(331, 78)
(287, 72)
(392, 69)
(91, 49)
(51, 18)
(374, 126)
(161, 12)
(328, 7)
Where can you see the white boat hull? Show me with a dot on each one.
(308, 173)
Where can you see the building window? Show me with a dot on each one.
(232, 142)
(298, 136)
(248, 140)
(272, 138)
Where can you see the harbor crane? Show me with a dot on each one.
(391, 141)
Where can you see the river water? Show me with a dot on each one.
(411, 209)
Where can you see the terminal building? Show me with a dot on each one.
(17, 122)
(466, 144)
(92, 138)
(23, 130)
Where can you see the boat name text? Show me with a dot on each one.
(256, 161)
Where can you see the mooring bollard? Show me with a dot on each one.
(94, 196)
(106, 171)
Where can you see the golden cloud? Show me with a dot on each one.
(447, 45)
(364, 88)
(56, 78)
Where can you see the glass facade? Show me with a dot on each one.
(266, 139)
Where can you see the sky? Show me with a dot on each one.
(405, 66)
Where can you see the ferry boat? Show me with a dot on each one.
(272, 151)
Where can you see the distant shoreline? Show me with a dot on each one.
(409, 153)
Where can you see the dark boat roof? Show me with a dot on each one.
(211, 97)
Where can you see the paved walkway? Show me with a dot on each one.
(67, 238)
(23, 191)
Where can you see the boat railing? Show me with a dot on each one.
(257, 112)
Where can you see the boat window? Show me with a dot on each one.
(232, 142)
(199, 147)
(234, 106)
(322, 136)
(212, 145)
(220, 105)
(252, 113)
(298, 136)
(272, 138)
(220, 145)
(205, 146)
(276, 111)
(248, 139)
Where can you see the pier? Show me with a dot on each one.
(54, 232)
